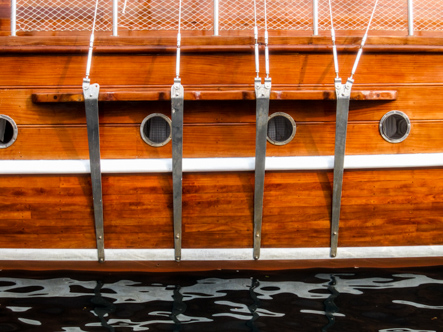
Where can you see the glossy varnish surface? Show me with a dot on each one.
(379, 207)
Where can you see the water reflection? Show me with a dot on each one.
(370, 300)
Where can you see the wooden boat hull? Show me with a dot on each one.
(390, 207)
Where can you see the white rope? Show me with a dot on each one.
(266, 43)
(91, 42)
(334, 47)
(177, 64)
(124, 7)
(360, 51)
(257, 65)
(363, 41)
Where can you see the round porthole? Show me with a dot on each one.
(8, 131)
(281, 128)
(156, 129)
(395, 126)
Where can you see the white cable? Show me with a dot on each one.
(334, 47)
(91, 42)
(257, 64)
(363, 41)
(177, 64)
(266, 44)
(360, 51)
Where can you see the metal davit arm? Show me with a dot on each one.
(90, 93)
(343, 93)
(177, 99)
(262, 96)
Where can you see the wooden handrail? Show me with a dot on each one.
(51, 96)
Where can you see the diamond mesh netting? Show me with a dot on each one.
(163, 14)
(63, 15)
(428, 15)
(390, 15)
(77, 15)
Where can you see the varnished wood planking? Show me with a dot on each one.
(418, 102)
(218, 140)
(396, 207)
(286, 68)
(165, 41)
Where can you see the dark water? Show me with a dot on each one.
(402, 300)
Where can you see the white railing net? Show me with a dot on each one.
(281, 14)
(77, 15)
(428, 15)
(63, 15)
(163, 14)
(390, 15)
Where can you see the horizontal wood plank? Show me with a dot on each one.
(394, 208)
(152, 95)
(286, 68)
(218, 140)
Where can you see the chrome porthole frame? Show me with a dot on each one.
(146, 138)
(14, 131)
(382, 128)
(293, 124)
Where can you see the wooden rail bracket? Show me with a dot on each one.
(68, 96)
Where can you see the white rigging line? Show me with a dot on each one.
(257, 65)
(360, 50)
(91, 42)
(266, 44)
(177, 64)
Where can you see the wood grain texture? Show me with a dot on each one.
(417, 101)
(215, 94)
(286, 68)
(216, 140)
(380, 208)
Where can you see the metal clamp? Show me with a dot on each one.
(262, 95)
(177, 98)
(343, 93)
(90, 93)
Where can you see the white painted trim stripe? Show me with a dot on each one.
(113, 166)
(219, 254)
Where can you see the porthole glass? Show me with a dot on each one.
(395, 126)
(8, 131)
(155, 129)
(281, 128)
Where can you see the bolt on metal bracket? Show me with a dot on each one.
(343, 94)
(177, 99)
(262, 95)
(90, 93)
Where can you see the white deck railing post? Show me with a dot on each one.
(13, 17)
(410, 18)
(115, 17)
(315, 17)
(216, 16)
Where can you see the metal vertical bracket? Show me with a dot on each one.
(343, 93)
(262, 95)
(90, 93)
(177, 98)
